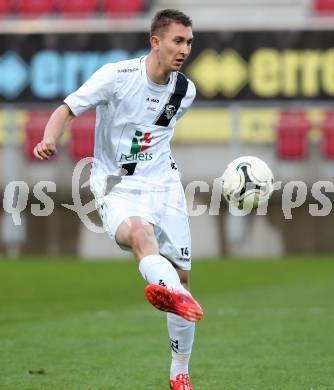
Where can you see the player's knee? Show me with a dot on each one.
(140, 238)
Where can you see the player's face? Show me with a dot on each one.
(175, 46)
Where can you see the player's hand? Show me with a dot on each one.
(45, 149)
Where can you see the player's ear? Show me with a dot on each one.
(155, 42)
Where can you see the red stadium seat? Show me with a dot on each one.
(79, 7)
(328, 135)
(5, 7)
(323, 6)
(35, 7)
(34, 131)
(292, 132)
(123, 7)
(82, 137)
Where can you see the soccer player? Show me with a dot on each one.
(137, 105)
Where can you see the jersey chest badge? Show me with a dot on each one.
(170, 111)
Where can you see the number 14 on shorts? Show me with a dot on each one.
(185, 252)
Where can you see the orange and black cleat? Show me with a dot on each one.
(181, 382)
(174, 301)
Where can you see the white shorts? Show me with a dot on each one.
(165, 210)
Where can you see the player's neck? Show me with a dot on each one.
(155, 72)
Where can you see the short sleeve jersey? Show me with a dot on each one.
(135, 120)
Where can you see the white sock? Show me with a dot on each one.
(181, 334)
(156, 269)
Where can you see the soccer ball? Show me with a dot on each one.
(247, 182)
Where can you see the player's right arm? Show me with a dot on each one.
(97, 90)
(58, 122)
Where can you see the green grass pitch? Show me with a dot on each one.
(87, 326)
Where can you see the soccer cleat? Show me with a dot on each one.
(174, 301)
(182, 382)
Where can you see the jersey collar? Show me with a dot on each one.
(150, 83)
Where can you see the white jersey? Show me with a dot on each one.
(135, 120)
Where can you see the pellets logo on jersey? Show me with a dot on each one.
(140, 142)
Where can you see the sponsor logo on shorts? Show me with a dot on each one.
(185, 259)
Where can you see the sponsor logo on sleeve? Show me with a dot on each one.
(128, 70)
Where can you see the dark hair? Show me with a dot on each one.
(164, 18)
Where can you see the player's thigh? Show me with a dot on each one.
(131, 227)
(116, 211)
